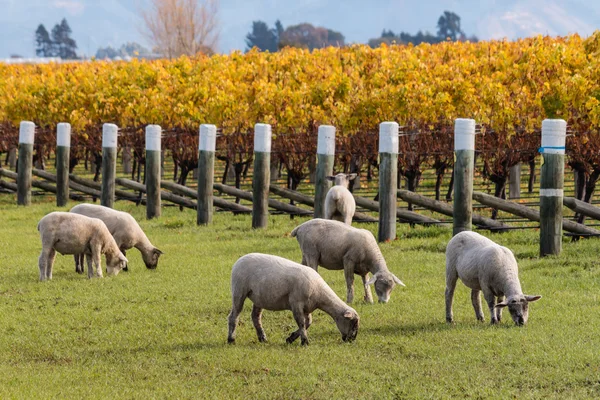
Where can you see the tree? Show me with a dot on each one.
(44, 46)
(449, 26)
(262, 37)
(178, 27)
(64, 46)
(309, 37)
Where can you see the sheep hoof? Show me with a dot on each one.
(449, 320)
(262, 339)
(230, 340)
(304, 342)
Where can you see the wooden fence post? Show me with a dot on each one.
(152, 171)
(25, 162)
(464, 152)
(554, 132)
(109, 164)
(514, 182)
(206, 168)
(12, 158)
(63, 150)
(325, 159)
(388, 180)
(262, 175)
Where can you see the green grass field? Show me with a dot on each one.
(162, 333)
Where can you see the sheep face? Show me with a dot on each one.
(151, 258)
(518, 306)
(384, 283)
(116, 264)
(347, 324)
(342, 179)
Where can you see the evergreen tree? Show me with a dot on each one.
(449, 26)
(61, 36)
(44, 46)
(262, 37)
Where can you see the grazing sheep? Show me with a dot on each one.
(339, 202)
(124, 228)
(483, 265)
(276, 284)
(335, 245)
(70, 233)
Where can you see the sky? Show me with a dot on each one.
(99, 23)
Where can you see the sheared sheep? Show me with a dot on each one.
(483, 265)
(69, 233)
(275, 283)
(335, 245)
(124, 228)
(339, 202)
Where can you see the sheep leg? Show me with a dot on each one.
(476, 300)
(490, 299)
(88, 260)
(301, 332)
(97, 260)
(349, 275)
(234, 316)
(78, 263)
(499, 309)
(50, 263)
(368, 295)
(42, 263)
(307, 320)
(311, 262)
(256, 320)
(451, 278)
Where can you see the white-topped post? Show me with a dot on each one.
(464, 152)
(152, 171)
(206, 167)
(109, 164)
(325, 160)
(388, 180)
(554, 132)
(63, 150)
(261, 175)
(25, 162)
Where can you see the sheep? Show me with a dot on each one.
(276, 284)
(69, 233)
(335, 245)
(339, 202)
(483, 265)
(124, 228)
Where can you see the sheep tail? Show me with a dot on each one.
(295, 231)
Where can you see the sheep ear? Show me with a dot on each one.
(351, 176)
(349, 314)
(531, 299)
(398, 281)
(157, 251)
(501, 305)
(123, 258)
(330, 178)
(372, 280)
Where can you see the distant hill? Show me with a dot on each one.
(113, 22)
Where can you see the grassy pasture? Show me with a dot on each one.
(162, 333)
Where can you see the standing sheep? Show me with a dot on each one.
(124, 228)
(335, 245)
(70, 233)
(483, 265)
(339, 202)
(276, 284)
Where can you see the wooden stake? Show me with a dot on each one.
(388, 180)
(206, 168)
(262, 175)
(152, 171)
(63, 150)
(109, 164)
(325, 158)
(464, 150)
(551, 185)
(25, 162)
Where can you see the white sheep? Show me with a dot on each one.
(339, 202)
(335, 245)
(124, 228)
(483, 265)
(275, 283)
(69, 233)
